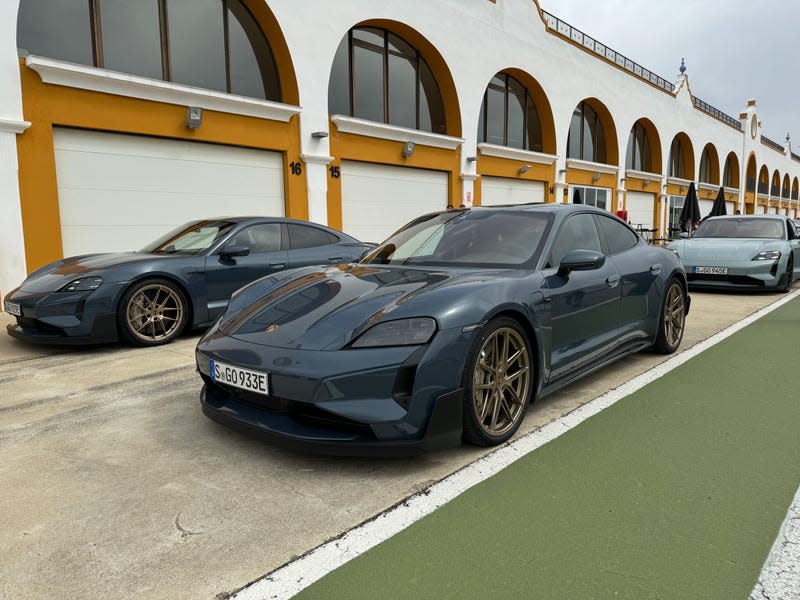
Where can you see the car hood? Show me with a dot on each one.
(54, 276)
(733, 249)
(319, 309)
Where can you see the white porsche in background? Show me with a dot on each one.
(753, 252)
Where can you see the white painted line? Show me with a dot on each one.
(293, 577)
(780, 577)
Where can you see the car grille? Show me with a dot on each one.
(36, 325)
(309, 414)
(734, 279)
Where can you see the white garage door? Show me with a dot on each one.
(640, 209)
(705, 207)
(501, 190)
(759, 209)
(731, 207)
(120, 192)
(379, 199)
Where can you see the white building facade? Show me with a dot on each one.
(363, 115)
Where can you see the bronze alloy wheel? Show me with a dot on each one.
(501, 382)
(673, 319)
(674, 315)
(154, 313)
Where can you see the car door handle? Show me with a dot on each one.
(277, 265)
(655, 269)
(335, 258)
(613, 281)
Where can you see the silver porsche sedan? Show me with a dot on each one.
(754, 252)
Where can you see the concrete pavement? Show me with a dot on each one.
(112, 483)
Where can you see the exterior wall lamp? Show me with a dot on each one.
(523, 169)
(595, 177)
(408, 149)
(318, 135)
(194, 117)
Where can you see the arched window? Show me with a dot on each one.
(677, 164)
(705, 166)
(730, 176)
(508, 115)
(378, 76)
(586, 140)
(775, 188)
(638, 157)
(213, 44)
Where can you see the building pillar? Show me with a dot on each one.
(317, 186)
(12, 243)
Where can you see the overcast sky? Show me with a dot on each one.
(734, 49)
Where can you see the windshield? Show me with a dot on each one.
(194, 238)
(744, 227)
(503, 238)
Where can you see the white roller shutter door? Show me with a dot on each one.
(759, 209)
(502, 190)
(379, 199)
(120, 192)
(640, 209)
(705, 207)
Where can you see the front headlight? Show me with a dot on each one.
(403, 332)
(82, 285)
(767, 255)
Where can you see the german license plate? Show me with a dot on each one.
(710, 270)
(12, 308)
(252, 381)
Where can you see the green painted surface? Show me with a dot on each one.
(677, 491)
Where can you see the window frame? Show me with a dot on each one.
(483, 119)
(385, 51)
(98, 59)
(596, 127)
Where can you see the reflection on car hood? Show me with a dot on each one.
(733, 249)
(325, 309)
(54, 276)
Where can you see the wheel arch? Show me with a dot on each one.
(518, 315)
(181, 285)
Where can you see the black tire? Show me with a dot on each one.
(494, 401)
(786, 280)
(151, 312)
(672, 319)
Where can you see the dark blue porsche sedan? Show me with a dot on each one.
(183, 279)
(446, 331)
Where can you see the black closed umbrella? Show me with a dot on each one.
(690, 213)
(719, 208)
(576, 197)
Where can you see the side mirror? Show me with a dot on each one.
(684, 234)
(581, 260)
(232, 251)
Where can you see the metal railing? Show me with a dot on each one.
(716, 113)
(774, 145)
(592, 45)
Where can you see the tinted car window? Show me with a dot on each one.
(468, 238)
(265, 237)
(193, 238)
(302, 236)
(618, 237)
(577, 233)
(741, 227)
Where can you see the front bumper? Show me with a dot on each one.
(377, 401)
(744, 275)
(64, 317)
